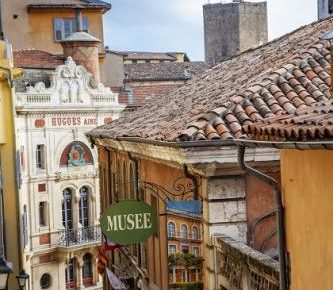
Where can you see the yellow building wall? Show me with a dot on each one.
(7, 155)
(36, 27)
(308, 197)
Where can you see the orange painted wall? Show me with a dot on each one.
(36, 28)
(149, 171)
(158, 257)
(260, 201)
(308, 196)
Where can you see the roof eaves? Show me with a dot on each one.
(128, 80)
(179, 144)
(101, 6)
(303, 145)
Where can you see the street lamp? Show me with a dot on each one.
(6, 268)
(22, 279)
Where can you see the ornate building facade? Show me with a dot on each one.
(59, 200)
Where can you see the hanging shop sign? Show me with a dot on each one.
(129, 222)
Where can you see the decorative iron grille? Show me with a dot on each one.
(74, 237)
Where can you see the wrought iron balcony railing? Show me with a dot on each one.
(184, 236)
(76, 237)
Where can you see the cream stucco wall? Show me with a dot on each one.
(55, 117)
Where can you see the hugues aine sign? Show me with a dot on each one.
(128, 222)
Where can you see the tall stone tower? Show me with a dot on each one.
(231, 28)
(325, 8)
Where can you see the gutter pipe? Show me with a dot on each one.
(279, 213)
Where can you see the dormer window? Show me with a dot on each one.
(64, 27)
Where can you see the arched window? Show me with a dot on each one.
(183, 232)
(87, 273)
(67, 216)
(171, 229)
(70, 276)
(195, 233)
(84, 207)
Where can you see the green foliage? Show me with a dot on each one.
(186, 286)
(185, 260)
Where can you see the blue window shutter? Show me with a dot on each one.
(58, 30)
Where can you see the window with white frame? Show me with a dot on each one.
(70, 274)
(64, 27)
(171, 229)
(67, 217)
(84, 207)
(172, 249)
(196, 251)
(183, 232)
(40, 156)
(195, 233)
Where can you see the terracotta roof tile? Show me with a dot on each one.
(312, 123)
(33, 58)
(163, 71)
(71, 4)
(287, 75)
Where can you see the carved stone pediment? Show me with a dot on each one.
(70, 84)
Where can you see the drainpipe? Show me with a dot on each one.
(279, 213)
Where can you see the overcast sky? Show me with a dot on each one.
(177, 25)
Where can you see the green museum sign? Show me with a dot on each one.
(128, 222)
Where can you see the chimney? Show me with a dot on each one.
(82, 47)
(329, 36)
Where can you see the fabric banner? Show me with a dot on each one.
(115, 281)
(109, 245)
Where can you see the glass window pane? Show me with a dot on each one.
(67, 209)
(84, 207)
(85, 24)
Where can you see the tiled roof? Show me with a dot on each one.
(33, 58)
(71, 4)
(164, 71)
(314, 123)
(135, 55)
(278, 78)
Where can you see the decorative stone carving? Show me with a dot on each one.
(70, 84)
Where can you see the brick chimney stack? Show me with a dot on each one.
(83, 47)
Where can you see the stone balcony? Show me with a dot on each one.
(239, 267)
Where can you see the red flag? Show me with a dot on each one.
(109, 245)
(102, 262)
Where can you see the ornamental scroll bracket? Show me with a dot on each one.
(183, 188)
